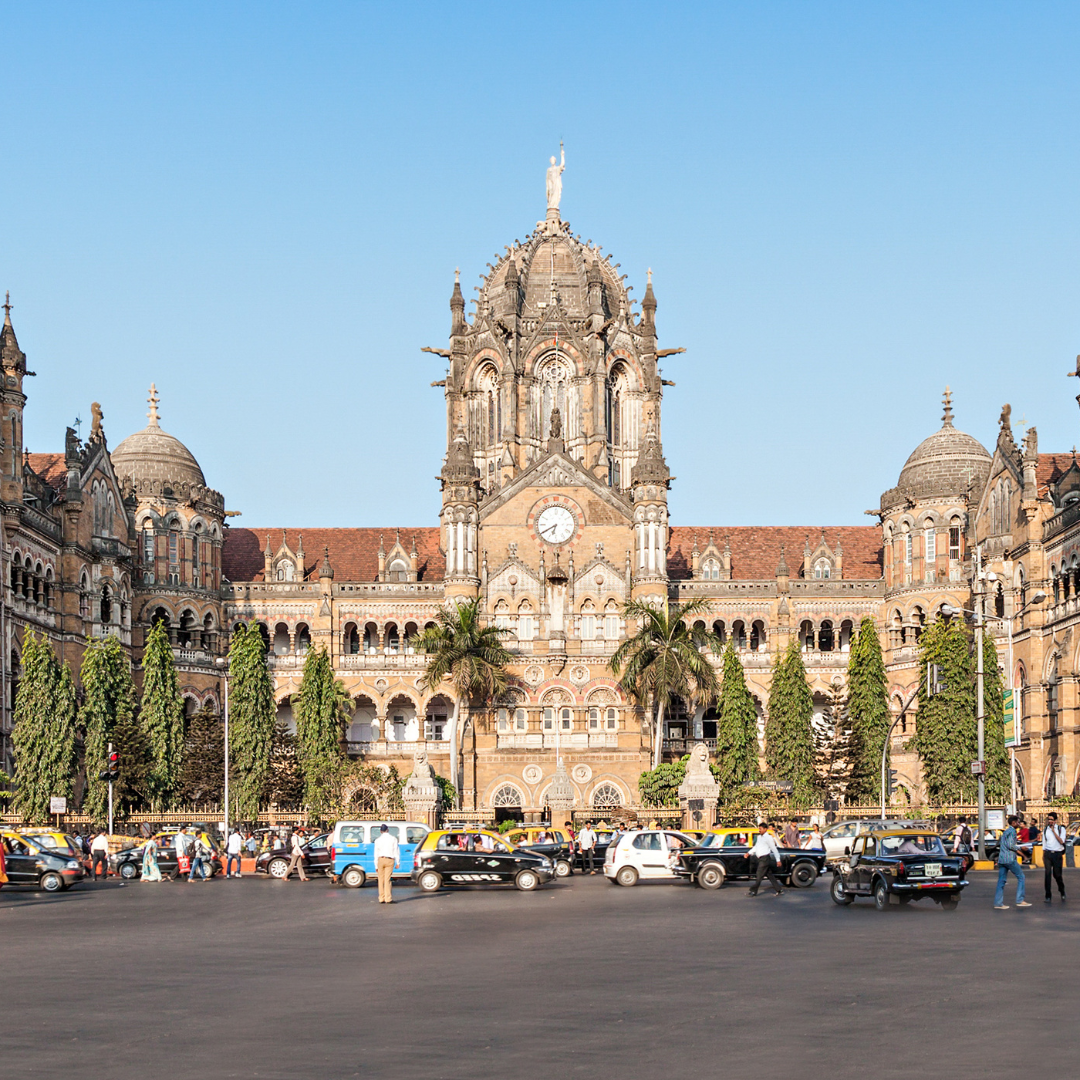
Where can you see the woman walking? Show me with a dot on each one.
(150, 869)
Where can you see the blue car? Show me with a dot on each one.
(352, 847)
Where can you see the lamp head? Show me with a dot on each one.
(948, 610)
(221, 662)
(1038, 598)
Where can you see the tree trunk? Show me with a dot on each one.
(454, 780)
(659, 732)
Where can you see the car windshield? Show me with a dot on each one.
(927, 844)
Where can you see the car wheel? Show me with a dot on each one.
(526, 880)
(429, 881)
(803, 875)
(711, 876)
(278, 868)
(627, 876)
(128, 870)
(563, 868)
(949, 903)
(51, 882)
(881, 896)
(353, 877)
(837, 891)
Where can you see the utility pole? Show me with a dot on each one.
(110, 795)
(980, 704)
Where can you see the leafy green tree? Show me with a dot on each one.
(468, 655)
(202, 769)
(789, 737)
(736, 727)
(321, 711)
(108, 703)
(251, 719)
(666, 658)
(659, 787)
(868, 705)
(162, 715)
(44, 734)
(284, 781)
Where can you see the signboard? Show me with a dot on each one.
(1010, 721)
(695, 804)
(978, 768)
(995, 819)
(773, 785)
(58, 804)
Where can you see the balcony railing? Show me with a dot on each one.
(362, 661)
(570, 740)
(393, 748)
(684, 746)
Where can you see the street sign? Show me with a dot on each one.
(58, 804)
(773, 785)
(995, 819)
(1010, 720)
(695, 804)
(978, 768)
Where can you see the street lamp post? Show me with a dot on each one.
(223, 665)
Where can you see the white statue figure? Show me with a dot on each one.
(554, 180)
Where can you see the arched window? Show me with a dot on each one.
(929, 551)
(303, 638)
(710, 570)
(207, 636)
(822, 569)
(351, 643)
(588, 621)
(720, 631)
(806, 635)
(174, 556)
(281, 639)
(147, 548)
(525, 626)
(187, 627)
(757, 636)
(612, 621)
(106, 604)
(607, 796)
(285, 571)
(738, 634)
(507, 795)
(371, 637)
(398, 570)
(391, 638)
(825, 636)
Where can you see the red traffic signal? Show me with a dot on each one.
(113, 770)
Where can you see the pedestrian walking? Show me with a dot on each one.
(99, 853)
(201, 850)
(387, 858)
(815, 841)
(233, 848)
(150, 869)
(296, 862)
(1009, 862)
(587, 843)
(251, 844)
(791, 834)
(1054, 855)
(961, 837)
(767, 855)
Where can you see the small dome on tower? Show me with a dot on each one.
(154, 455)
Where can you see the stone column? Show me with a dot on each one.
(699, 792)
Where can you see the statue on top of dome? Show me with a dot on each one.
(554, 180)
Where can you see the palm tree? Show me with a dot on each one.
(665, 658)
(471, 657)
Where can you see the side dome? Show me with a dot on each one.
(155, 456)
(949, 462)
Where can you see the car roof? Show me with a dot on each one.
(906, 832)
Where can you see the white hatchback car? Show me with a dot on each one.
(644, 855)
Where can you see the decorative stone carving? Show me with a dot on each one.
(422, 795)
(579, 675)
(581, 773)
(534, 675)
(699, 792)
(532, 774)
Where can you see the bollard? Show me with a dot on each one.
(1070, 853)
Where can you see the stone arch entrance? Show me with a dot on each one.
(360, 797)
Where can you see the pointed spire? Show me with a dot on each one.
(7, 308)
(382, 548)
(153, 399)
(12, 357)
(326, 570)
(268, 552)
(782, 568)
(457, 306)
(648, 303)
(946, 400)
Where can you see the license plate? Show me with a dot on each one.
(932, 869)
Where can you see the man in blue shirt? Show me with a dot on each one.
(1009, 860)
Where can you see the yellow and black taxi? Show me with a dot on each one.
(556, 844)
(724, 855)
(477, 857)
(27, 861)
(898, 866)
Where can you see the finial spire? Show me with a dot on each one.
(7, 308)
(947, 402)
(649, 272)
(153, 399)
(457, 275)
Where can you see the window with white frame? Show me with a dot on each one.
(521, 720)
(566, 721)
(549, 719)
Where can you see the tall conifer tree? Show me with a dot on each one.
(320, 711)
(108, 703)
(789, 736)
(251, 719)
(44, 734)
(162, 715)
(202, 773)
(868, 706)
(736, 728)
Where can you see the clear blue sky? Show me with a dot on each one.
(260, 207)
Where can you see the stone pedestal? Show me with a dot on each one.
(699, 792)
(560, 797)
(422, 795)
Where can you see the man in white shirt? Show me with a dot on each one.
(296, 861)
(99, 852)
(233, 849)
(1053, 855)
(587, 843)
(767, 853)
(387, 858)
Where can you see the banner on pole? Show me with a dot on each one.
(1010, 720)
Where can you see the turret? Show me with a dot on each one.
(457, 307)
(12, 401)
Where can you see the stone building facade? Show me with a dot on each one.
(554, 512)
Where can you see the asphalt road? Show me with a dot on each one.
(259, 978)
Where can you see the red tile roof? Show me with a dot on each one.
(755, 550)
(1049, 469)
(51, 468)
(354, 553)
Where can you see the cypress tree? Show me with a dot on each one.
(834, 748)
(319, 708)
(44, 733)
(162, 715)
(284, 783)
(868, 705)
(202, 771)
(108, 703)
(251, 719)
(131, 789)
(736, 728)
(789, 736)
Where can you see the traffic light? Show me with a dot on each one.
(891, 784)
(112, 771)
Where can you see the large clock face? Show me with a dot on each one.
(555, 525)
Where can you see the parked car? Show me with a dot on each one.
(556, 844)
(604, 837)
(28, 862)
(645, 855)
(128, 862)
(897, 866)
(316, 858)
(839, 836)
(726, 855)
(456, 857)
(352, 848)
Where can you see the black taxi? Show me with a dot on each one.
(477, 857)
(898, 866)
(724, 855)
(556, 844)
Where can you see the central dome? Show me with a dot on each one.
(155, 456)
(949, 462)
